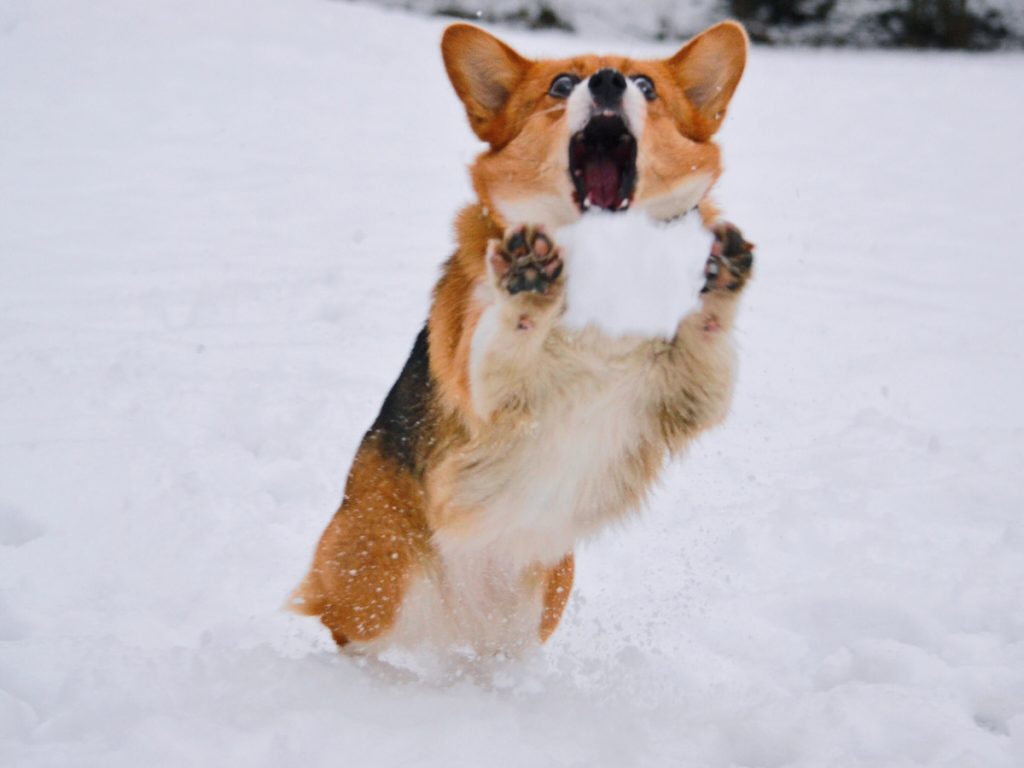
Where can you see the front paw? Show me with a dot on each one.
(729, 266)
(524, 261)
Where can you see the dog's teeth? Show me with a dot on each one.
(578, 136)
(624, 205)
(586, 202)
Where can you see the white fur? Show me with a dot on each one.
(579, 107)
(681, 199)
(634, 108)
(630, 276)
(551, 211)
(544, 489)
(474, 601)
(483, 338)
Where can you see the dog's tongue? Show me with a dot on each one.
(601, 178)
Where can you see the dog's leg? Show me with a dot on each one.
(522, 296)
(729, 266)
(366, 556)
(557, 586)
(697, 369)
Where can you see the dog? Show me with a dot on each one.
(505, 439)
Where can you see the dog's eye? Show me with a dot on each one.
(562, 86)
(646, 86)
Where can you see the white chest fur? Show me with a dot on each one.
(553, 472)
(476, 601)
(628, 275)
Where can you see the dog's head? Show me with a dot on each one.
(594, 132)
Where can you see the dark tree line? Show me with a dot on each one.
(961, 24)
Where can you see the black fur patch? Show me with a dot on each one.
(404, 424)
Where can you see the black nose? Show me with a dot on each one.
(607, 87)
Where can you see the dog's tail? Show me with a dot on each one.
(306, 599)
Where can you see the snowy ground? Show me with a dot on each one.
(219, 223)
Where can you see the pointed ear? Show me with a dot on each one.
(484, 72)
(708, 69)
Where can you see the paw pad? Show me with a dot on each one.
(525, 260)
(731, 260)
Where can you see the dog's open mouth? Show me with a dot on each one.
(602, 161)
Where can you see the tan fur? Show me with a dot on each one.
(536, 437)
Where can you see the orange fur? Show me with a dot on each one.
(527, 152)
(557, 587)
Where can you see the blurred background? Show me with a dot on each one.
(953, 24)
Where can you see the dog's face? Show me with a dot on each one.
(594, 132)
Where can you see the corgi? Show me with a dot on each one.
(506, 440)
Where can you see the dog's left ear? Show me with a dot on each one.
(708, 69)
(484, 72)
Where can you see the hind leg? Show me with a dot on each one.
(557, 586)
(362, 566)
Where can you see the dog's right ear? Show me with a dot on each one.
(484, 72)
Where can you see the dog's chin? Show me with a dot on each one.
(602, 164)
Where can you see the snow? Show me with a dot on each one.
(219, 225)
(628, 275)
